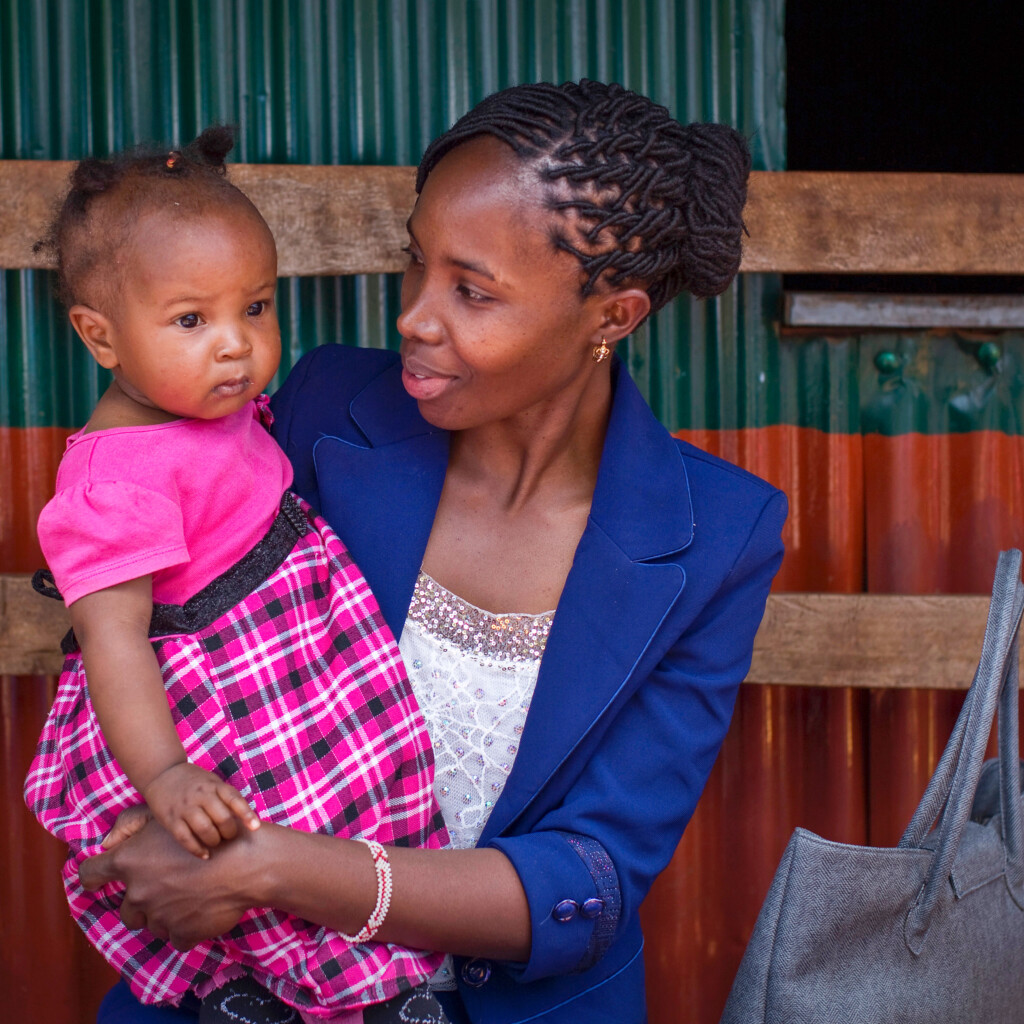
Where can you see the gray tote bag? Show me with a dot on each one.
(932, 930)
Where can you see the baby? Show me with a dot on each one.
(227, 661)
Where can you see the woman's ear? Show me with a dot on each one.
(96, 332)
(623, 311)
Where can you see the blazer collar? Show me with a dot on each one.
(620, 588)
(384, 412)
(642, 497)
(642, 504)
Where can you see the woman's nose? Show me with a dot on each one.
(418, 318)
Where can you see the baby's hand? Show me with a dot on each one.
(198, 808)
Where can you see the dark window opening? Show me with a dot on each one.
(905, 85)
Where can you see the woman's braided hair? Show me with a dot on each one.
(655, 202)
(105, 199)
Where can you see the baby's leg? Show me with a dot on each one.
(244, 1001)
(419, 1006)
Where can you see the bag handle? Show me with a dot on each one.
(1010, 806)
(950, 792)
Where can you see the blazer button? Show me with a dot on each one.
(592, 908)
(565, 910)
(476, 973)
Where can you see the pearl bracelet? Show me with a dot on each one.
(382, 867)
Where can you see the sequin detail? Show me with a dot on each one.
(474, 685)
(509, 637)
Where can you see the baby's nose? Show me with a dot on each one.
(233, 342)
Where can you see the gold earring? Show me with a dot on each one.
(601, 352)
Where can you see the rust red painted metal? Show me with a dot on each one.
(938, 510)
(48, 972)
(908, 514)
(913, 513)
(792, 756)
(28, 468)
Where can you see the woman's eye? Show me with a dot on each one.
(472, 294)
(256, 309)
(414, 260)
(189, 321)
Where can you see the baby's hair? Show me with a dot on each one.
(657, 203)
(106, 198)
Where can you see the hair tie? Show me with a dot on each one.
(172, 159)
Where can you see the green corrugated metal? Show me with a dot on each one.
(942, 383)
(372, 81)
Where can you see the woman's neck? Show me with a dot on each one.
(515, 503)
(554, 448)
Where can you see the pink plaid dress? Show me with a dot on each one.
(284, 679)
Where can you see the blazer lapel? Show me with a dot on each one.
(388, 487)
(617, 594)
(621, 586)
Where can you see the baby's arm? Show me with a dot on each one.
(196, 807)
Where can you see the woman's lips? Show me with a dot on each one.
(422, 383)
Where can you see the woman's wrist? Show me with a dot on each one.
(267, 876)
(462, 901)
(304, 873)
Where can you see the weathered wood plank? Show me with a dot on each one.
(806, 639)
(830, 222)
(347, 219)
(870, 640)
(31, 628)
(326, 219)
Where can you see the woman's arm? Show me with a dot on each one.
(605, 838)
(614, 826)
(462, 901)
(468, 902)
(127, 693)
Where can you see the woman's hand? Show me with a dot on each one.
(463, 901)
(168, 891)
(128, 822)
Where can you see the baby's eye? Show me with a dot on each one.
(189, 321)
(256, 309)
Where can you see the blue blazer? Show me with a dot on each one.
(651, 638)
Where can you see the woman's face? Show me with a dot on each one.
(493, 324)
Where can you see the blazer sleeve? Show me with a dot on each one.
(589, 862)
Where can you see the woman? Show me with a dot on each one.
(537, 539)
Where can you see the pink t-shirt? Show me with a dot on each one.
(182, 501)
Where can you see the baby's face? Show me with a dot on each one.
(195, 330)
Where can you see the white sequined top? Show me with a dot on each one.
(473, 673)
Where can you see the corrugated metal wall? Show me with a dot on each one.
(337, 81)
(903, 457)
(902, 454)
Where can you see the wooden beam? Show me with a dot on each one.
(864, 640)
(347, 219)
(870, 640)
(31, 627)
(826, 222)
(326, 219)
